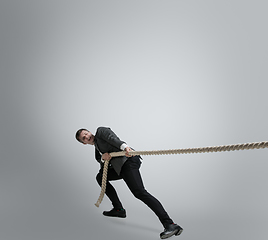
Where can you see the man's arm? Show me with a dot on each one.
(109, 136)
(97, 155)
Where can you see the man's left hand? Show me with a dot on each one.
(128, 149)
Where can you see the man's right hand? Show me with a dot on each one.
(106, 156)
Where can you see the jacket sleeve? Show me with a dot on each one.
(109, 136)
(97, 155)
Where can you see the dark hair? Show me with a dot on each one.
(77, 135)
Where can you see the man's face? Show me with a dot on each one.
(86, 137)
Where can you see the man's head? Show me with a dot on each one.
(84, 136)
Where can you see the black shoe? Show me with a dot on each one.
(121, 213)
(170, 230)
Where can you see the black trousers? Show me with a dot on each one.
(131, 175)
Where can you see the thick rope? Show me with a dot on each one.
(103, 183)
(223, 148)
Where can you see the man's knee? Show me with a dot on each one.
(140, 193)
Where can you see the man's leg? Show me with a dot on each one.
(110, 191)
(131, 175)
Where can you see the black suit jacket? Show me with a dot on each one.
(106, 141)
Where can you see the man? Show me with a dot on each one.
(126, 168)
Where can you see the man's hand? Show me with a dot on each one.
(128, 149)
(106, 156)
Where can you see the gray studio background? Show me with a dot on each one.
(162, 75)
